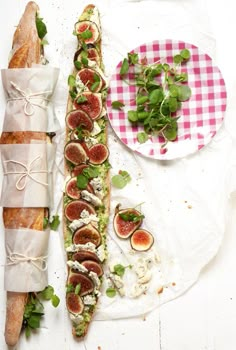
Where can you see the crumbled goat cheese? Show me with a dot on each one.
(85, 219)
(89, 300)
(101, 253)
(76, 318)
(138, 289)
(91, 198)
(78, 247)
(96, 129)
(77, 266)
(96, 183)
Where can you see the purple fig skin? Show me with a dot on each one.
(85, 255)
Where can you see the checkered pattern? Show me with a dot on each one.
(201, 116)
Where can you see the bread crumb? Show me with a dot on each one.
(99, 348)
(189, 206)
(173, 284)
(160, 290)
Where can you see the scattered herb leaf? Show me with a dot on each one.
(55, 222)
(111, 292)
(142, 137)
(41, 27)
(117, 104)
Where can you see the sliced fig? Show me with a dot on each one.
(75, 153)
(72, 189)
(91, 53)
(124, 224)
(86, 234)
(91, 104)
(93, 266)
(87, 31)
(78, 169)
(74, 208)
(141, 240)
(74, 303)
(91, 78)
(79, 119)
(98, 153)
(86, 284)
(83, 255)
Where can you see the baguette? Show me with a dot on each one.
(87, 191)
(26, 51)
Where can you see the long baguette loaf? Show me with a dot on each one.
(86, 205)
(26, 50)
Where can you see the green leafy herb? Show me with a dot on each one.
(130, 216)
(91, 172)
(117, 104)
(77, 288)
(133, 58)
(121, 180)
(111, 292)
(87, 34)
(81, 99)
(71, 81)
(82, 181)
(34, 309)
(119, 270)
(142, 137)
(55, 222)
(45, 222)
(41, 27)
(78, 65)
(70, 288)
(44, 42)
(73, 94)
(124, 67)
(158, 99)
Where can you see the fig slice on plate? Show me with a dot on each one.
(74, 303)
(86, 234)
(74, 208)
(93, 266)
(126, 221)
(91, 79)
(75, 153)
(141, 240)
(90, 103)
(79, 119)
(83, 255)
(98, 153)
(86, 284)
(87, 31)
(91, 54)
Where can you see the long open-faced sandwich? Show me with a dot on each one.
(25, 150)
(86, 197)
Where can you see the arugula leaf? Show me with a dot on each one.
(133, 58)
(82, 181)
(87, 34)
(71, 80)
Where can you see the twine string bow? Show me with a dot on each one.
(26, 173)
(40, 262)
(29, 105)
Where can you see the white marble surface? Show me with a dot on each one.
(203, 317)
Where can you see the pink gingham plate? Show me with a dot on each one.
(201, 116)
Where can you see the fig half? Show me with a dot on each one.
(86, 284)
(74, 208)
(91, 79)
(79, 119)
(93, 266)
(83, 255)
(90, 103)
(141, 240)
(75, 153)
(74, 303)
(91, 53)
(87, 31)
(98, 153)
(86, 234)
(124, 222)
